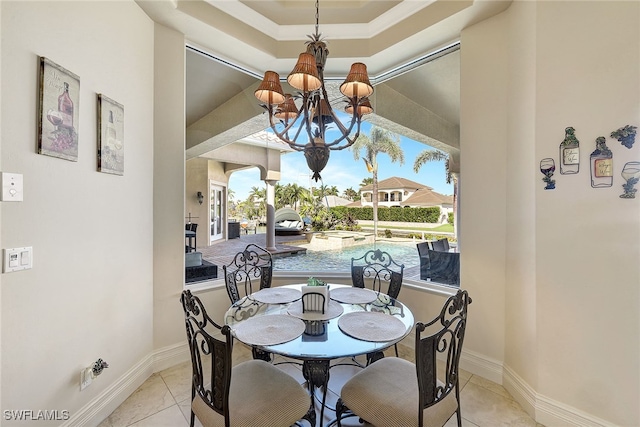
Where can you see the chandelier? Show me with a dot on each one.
(310, 109)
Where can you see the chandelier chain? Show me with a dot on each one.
(317, 15)
(315, 114)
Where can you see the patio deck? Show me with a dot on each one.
(222, 252)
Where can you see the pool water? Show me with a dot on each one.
(340, 259)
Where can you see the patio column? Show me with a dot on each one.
(271, 214)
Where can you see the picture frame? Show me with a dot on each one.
(110, 136)
(58, 111)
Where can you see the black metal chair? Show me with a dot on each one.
(251, 268)
(441, 245)
(373, 270)
(423, 254)
(252, 393)
(191, 227)
(396, 392)
(444, 267)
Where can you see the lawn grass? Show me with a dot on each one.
(444, 228)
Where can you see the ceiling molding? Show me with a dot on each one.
(291, 32)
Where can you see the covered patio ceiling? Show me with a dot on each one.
(410, 48)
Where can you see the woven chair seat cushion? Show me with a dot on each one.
(385, 394)
(260, 395)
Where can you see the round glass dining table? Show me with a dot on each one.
(364, 328)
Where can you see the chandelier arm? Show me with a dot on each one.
(283, 134)
(343, 130)
(308, 120)
(349, 140)
(287, 126)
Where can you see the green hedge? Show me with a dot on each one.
(429, 215)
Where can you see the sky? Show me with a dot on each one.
(345, 172)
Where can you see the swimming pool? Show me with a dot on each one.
(340, 259)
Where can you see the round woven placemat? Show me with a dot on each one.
(276, 295)
(353, 295)
(334, 310)
(371, 326)
(269, 330)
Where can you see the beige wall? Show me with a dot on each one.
(197, 179)
(558, 271)
(168, 188)
(90, 292)
(554, 275)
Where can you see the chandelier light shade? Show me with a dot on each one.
(363, 108)
(307, 114)
(357, 82)
(270, 90)
(287, 110)
(304, 76)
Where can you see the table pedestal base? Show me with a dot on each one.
(316, 373)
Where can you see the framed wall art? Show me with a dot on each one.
(110, 136)
(58, 111)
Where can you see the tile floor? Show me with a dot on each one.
(163, 400)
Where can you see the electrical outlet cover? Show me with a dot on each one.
(85, 378)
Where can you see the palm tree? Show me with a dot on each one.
(280, 196)
(294, 194)
(432, 156)
(366, 181)
(379, 141)
(438, 156)
(332, 191)
(350, 194)
(258, 197)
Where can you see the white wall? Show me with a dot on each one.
(168, 188)
(90, 292)
(554, 275)
(588, 240)
(559, 273)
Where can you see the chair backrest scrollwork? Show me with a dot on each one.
(209, 344)
(443, 336)
(376, 268)
(253, 267)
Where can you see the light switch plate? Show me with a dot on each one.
(12, 189)
(16, 259)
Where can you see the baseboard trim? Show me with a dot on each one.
(521, 391)
(481, 365)
(103, 405)
(541, 408)
(544, 410)
(170, 356)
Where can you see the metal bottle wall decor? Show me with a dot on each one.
(601, 162)
(569, 153)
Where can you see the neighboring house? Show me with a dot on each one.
(425, 197)
(396, 191)
(331, 201)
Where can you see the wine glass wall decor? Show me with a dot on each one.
(548, 167)
(631, 174)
